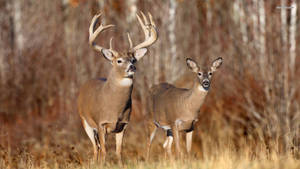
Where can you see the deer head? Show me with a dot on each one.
(204, 74)
(123, 62)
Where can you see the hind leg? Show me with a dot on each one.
(92, 134)
(168, 143)
(189, 138)
(177, 141)
(151, 131)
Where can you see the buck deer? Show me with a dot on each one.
(175, 109)
(104, 105)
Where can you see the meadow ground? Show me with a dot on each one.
(67, 146)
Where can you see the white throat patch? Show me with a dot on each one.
(125, 82)
(200, 88)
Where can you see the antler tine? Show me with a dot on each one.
(130, 41)
(142, 24)
(91, 28)
(110, 43)
(93, 34)
(145, 19)
(111, 48)
(149, 31)
(151, 19)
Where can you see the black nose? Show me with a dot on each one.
(132, 68)
(206, 85)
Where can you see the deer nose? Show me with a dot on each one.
(132, 68)
(206, 84)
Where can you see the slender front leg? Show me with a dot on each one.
(102, 134)
(97, 145)
(92, 132)
(189, 138)
(119, 140)
(177, 143)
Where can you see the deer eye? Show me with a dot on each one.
(209, 73)
(119, 61)
(199, 74)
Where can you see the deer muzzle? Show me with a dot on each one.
(206, 84)
(132, 68)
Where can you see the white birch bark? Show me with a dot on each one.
(292, 38)
(262, 32)
(101, 6)
(172, 37)
(18, 38)
(208, 12)
(240, 18)
(243, 25)
(17, 17)
(131, 4)
(283, 23)
(236, 9)
(284, 35)
(254, 18)
(292, 51)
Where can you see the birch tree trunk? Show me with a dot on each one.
(254, 17)
(292, 31)
(284, 78)
(262, 37)
(18, 25)
(283, 24)
(172, 69)
(208, 12)
(239, 16)
(131, 4)
(6, 42)
(18, 39)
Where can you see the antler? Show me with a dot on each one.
(93, 34)
(149, 31)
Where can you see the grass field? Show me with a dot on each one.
(69, 147)
(70, 158)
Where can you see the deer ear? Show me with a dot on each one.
(107, 54)
(139, 53)
(192, 64)
(216, 64)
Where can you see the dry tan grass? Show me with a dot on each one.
(69, 147)
(65, 157)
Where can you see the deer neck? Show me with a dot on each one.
(119, 84)
(196, 96)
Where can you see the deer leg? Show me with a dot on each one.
(152, 131)
(119, 140)
(168, 143)
(97, 141)
(102, 134)
(91, 133)
(189, 138)
(177, 143)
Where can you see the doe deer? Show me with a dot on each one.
(176, 109)
(104, 105)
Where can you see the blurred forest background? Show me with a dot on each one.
(254, 101)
